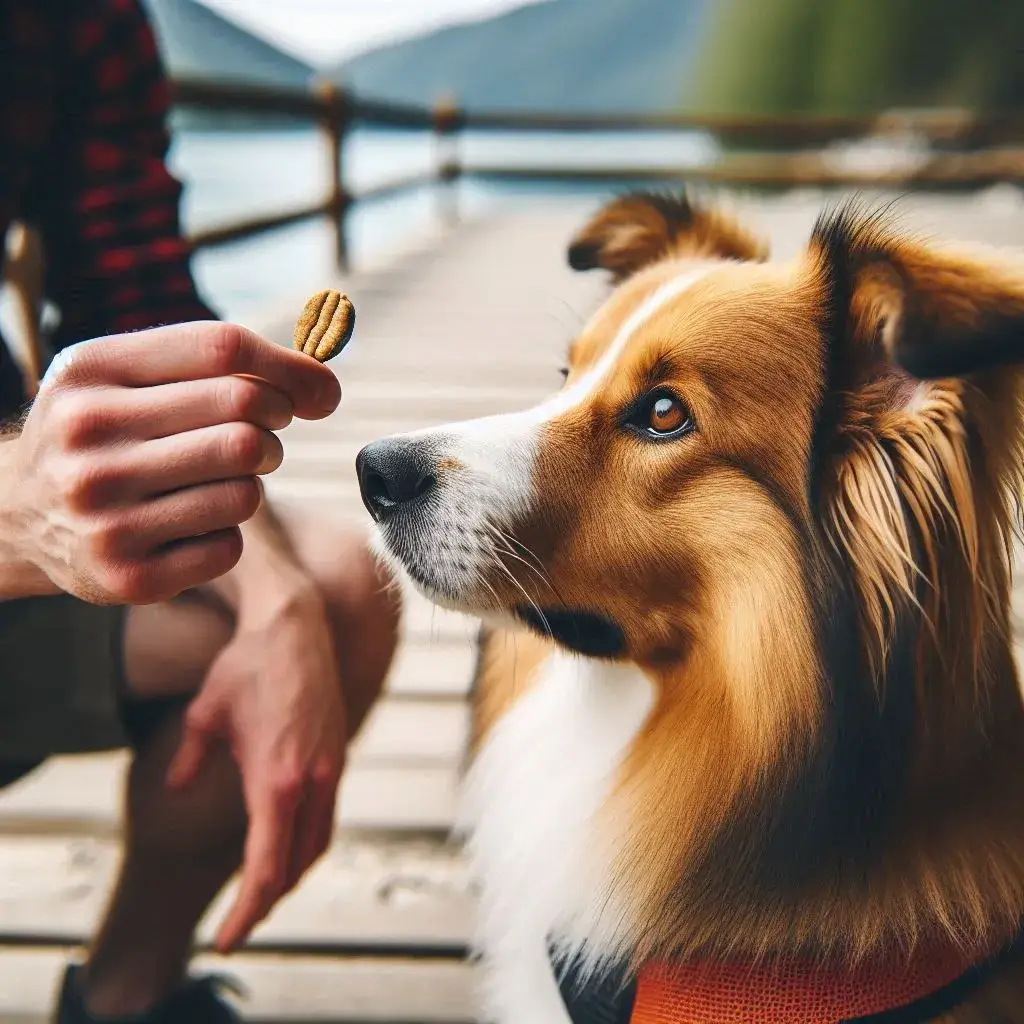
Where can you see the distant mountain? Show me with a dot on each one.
(195, 42)
(559, 55)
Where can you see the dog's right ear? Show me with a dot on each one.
(641, 228)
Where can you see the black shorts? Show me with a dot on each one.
(62, 685)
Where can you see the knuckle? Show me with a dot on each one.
(243, 447)
(201, 717)
(108, 536)
(287, 784)
(324, 773)
(237, 398)
(85, 485)
(77, 420)
(128, 583)
(225, 344)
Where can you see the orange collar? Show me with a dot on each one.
(885, 991)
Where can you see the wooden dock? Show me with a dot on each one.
(475, 322)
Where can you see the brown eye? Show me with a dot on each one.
(667, 415)
(662, 415)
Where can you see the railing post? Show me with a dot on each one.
(447, 120)
(335, 123)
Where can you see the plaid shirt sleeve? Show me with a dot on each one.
(108, 205)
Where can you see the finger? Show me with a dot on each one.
(197, 351)
(225, 452)
(151, 413)
(196, 739)
(152, 528)
(182, 566)
(264, 869)
(314, 829)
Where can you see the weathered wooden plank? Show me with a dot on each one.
(420, 731)
(427, 621)
(293, 989)
(425, 669)
(401, 399)
(81, 795)
(380, 891)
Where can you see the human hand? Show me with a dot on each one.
(141, 455)
(273, 695)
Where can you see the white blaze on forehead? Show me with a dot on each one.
(671, 289)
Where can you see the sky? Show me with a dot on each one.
(321, 31)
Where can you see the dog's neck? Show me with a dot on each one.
(901, 821)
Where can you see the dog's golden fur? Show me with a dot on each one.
(835, 761)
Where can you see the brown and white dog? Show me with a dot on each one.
(747, 693)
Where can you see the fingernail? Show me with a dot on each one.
(269, 464)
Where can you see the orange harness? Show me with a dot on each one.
(883, 992)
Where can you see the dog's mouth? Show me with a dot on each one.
(586, 633)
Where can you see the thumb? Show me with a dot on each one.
(199, 730)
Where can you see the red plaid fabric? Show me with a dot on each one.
(83, 141)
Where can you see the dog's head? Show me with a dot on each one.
(724, 421)
(785, 492)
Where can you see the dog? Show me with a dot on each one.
(748, 737)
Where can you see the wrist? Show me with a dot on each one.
(20, 575)
(267, 583)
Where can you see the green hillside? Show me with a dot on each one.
(860, 56)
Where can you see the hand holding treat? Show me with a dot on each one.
(326, 325)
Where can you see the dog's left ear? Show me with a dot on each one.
(641, 228)
(931, 312)
(919, 436)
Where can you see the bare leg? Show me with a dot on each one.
(181, 848)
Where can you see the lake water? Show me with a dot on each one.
(229, 176)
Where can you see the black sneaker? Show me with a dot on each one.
(197, 1001)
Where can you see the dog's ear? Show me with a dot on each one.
(919, 439)
(933, 313)
(640, 228)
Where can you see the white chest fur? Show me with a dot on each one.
(528, 807)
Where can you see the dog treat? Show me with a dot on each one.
(326, 325)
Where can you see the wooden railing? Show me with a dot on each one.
(967, 151)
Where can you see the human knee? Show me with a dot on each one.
(363, 604)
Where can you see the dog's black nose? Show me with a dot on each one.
(393, 473)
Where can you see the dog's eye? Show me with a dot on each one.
(662, 415)
(564, 371)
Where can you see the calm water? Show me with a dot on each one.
(229, 176)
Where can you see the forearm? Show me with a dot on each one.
(19, 575)
(270, 577)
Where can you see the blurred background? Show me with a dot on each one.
(433, 157)
(642, 59)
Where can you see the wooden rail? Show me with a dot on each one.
(969, 151)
